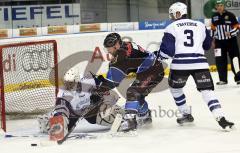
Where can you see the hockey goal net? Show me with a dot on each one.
(28, 78)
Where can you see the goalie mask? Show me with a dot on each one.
(87, 83)
(177, 7)
(69, 79)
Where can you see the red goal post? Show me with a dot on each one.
(28, 78)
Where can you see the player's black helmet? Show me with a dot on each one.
(111, 39)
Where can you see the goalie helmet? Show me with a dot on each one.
(87, 83)
(177, 7)
(69, 78)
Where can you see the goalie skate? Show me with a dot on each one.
(58, 127)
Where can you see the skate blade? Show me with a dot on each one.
(186, 124)
(82, 136)
(229, 129)
(131, 133)
(145, 126)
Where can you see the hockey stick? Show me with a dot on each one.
(82, 136)
(116, 124)
(23, 136)
(75, 135)
(236, 64)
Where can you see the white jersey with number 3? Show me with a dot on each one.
(185, 41)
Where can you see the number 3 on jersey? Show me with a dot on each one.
(189, 42)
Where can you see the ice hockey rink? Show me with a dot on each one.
(165, 136)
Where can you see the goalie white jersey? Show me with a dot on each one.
(78, 100)
(185, 41)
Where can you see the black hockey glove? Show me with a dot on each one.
(95, 99)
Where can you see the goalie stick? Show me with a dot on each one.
(72, 136)
(23, 136)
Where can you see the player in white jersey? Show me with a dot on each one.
(185, 41)
(79, 98)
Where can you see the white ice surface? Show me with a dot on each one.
(165, 136)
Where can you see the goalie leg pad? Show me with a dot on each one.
(107, 114)
(43, 122)
(58, 127)
(62, 108)
(110, 97)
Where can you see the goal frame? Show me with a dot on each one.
(2, 94)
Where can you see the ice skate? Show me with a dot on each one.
(221, 83)
(237, 78)
(226, 125)
(145, 119)
(129, 123)
(186, 118)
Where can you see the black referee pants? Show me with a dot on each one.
(228, 48)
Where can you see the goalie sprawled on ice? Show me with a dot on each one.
(79, 98)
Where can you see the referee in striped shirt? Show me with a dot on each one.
(224, 29)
